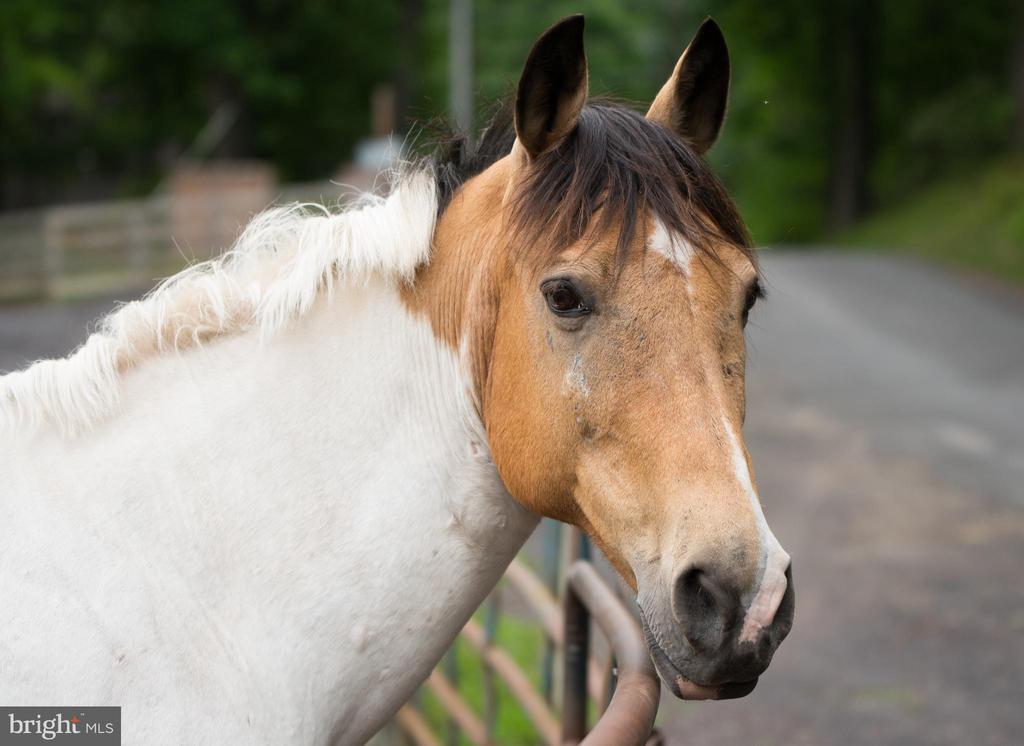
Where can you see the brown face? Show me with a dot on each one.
(611, 381)
(615, 403)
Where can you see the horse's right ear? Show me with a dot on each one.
(552, 88)
(692, 102)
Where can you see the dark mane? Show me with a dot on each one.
(616, 161)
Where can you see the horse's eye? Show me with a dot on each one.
(754, 292)
(563, 298)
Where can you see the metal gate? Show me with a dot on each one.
(621, 685)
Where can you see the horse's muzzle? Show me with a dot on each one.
(702, 651)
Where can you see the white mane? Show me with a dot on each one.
(280, 265)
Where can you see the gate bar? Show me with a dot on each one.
(629, 718)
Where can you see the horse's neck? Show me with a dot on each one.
(329, 499)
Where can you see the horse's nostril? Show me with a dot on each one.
(694, 597)
(704, 607)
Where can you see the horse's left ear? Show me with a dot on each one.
(552, 88)
(692, 102)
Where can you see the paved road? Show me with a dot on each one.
(29, 332)
(887, 424)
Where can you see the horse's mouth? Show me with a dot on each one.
(682, 687)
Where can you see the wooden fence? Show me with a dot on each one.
(72, 251)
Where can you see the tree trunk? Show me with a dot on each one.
(1017, 81)
(407, 83)
(852, 30)
(460, 65)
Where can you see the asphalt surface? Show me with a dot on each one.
(886, 425)
(886, 422)
(32, 332)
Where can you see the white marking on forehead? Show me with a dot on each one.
(672, 246)
(774, 560)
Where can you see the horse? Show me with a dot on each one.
(258, 505)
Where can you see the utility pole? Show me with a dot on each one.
(460, 64)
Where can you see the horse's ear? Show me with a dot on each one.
(552, 88)
(692, 102)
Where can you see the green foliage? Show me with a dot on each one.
(121, 86)
(974, 221)
(112, 92)
(942, 96)
(938, 72)
(522, 640)
(773, 154)
(626, 48)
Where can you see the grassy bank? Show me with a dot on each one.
(975, 222)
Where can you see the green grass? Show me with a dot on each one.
(524, 641)
(975, 222)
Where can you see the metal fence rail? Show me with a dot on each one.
(629, 717)
(624, 687)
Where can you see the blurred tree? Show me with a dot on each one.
(103, 96)
(836, 107)
(407, 75)
(850, 27)
(844, 106)
(1017, 76)
(777, 147)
